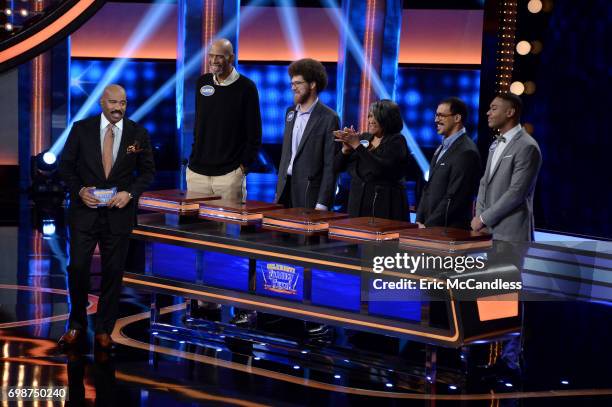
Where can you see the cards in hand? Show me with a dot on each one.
(103, 195)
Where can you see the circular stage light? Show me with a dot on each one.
(523, 47)
(536, 47)
(517, 88)
(49, 158)
(534, 6)
(530, 87)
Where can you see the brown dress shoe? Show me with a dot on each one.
(70, 338)
(104, 341)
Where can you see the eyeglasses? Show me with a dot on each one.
(295, 84)
(443, 115)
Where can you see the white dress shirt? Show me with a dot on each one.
(501, 145)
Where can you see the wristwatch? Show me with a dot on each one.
(130, 195)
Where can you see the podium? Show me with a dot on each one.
(247, 213)
(445, 239)
(174, 201)
(368, 229)
(300, 220)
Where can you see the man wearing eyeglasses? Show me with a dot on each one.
(306, 172)
(447, 198)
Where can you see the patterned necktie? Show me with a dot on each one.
(107, 150)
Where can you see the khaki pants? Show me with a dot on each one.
(231, 186)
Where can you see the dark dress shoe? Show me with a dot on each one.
(245, 319)
(313, 330)
(70, 338)
(104, 341)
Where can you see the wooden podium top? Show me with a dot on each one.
(240, 207)
(178, 196)
(441, 234)
(303, 215)
(372, 225)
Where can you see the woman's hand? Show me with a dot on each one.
(349, 139)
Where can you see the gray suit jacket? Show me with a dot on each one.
(314, 159)
(505, 195)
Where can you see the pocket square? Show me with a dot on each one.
(134, 148)
(442, 164)
(507, 156)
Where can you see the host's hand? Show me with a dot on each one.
(421, 226)
(119, 200)
(477, 224)
(88, 197)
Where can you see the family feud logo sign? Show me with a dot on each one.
(280, 280)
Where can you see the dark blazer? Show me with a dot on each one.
(453, 183)
(379, 169)
(81, 166)
(314, 159)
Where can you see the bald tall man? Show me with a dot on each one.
(227, 132)
(106, 163)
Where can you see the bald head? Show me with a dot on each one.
(221, 58)
(113, 103)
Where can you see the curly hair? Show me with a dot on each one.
(311, 70)
(387, 114)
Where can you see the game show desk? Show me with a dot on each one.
(316, 279)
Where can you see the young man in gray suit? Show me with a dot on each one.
(306, 172)
(505, 196)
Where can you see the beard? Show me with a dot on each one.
(300, 98)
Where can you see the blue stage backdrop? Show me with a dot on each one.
(140, 79)
(419, 90)
(275, 96)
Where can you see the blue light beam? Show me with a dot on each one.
(355, 48)
(149, 22)
(194, 62)
(290, 24)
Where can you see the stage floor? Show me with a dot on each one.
(566, 346)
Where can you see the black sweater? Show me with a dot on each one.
(227, 129)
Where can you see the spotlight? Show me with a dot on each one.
(565, 382)
(296, 367)
(23, 12)
(337, 376)
(508, 384)
(389, 385)
(46, 162)
(47, 187)
(452, 387)
(517, 88)
(8, 11)
(48, 227)
(8, 27)
(49, 158)
(534, 6)
(523, 47)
